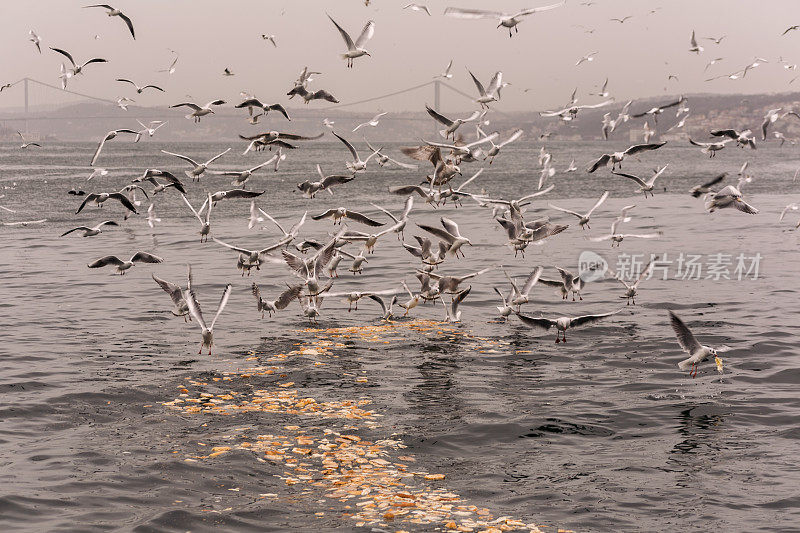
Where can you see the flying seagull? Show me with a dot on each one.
(139, 90)
(356, 49)
(616, 158)
(506, 20)
(109, 136)
(697, 352)
(122, 266)
(562, 324)
(113, 12)
(197, 314)
(199, 111)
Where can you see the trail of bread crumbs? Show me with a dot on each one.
(377, 483)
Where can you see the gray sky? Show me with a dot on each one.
(408, 48)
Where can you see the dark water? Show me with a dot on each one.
(603, 433)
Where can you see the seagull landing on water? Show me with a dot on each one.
(697, 352)
(356, 49)
(562, 324)
(506, 20)
(197, 314)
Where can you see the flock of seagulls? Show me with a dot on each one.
(435, 248)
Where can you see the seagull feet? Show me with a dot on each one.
(558, 340)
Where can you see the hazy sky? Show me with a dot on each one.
(408, 48)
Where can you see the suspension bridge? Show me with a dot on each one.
(30, 103)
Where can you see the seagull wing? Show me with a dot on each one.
(65, 54)
(128, 22)
(685, 336)
(144, 257)
(185, 158)
(194, 308)
(107, 260)
(366, 34)
(589, 319)
(438, 117)
(188, 104)
(630, 176)
(551, 206)
(543, 323)
(288, 296)
(347, 40)
(450, 226)
(635, 149)
(358, 217)
(222, 303)
(236, 248)
(599, 202)
(348, 145)
(601, 161)
(123, 200)
(478, 84)
(463, 13)
(174, 291)
(442, 234)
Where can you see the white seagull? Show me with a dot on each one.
(418, 7)
(507, 20)
(644, 186)
(583, 219)
(197, 314)
(114, 12)
(616, 158)
(199, 111)
(562, 324)
(372, 122)
(697, 352)
(122, 266)
(139, 90)
(356, 49)
(356, 165)
(198, 168)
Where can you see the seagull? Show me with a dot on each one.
(91, 232)
(171, 69)
(452, 313)
(27, 144)
(449, 234)
(356, 49)
(742, 139)
(450, 283)
(622, 20)
(507, 20)
(463, 151)
(383, 159)
(293, 231)
(681, 123)
(710, 148)
(446, 74)
(151, 217)
(791, 28)
(729, 196)
(270, 138)
(100, 198)
(715, 39)
(451, 125)
(122, 266)
(36, 40)
(562, 324)
(492, 94)
(648, 132)
(291, 293)
(399, 223)
(492, 153)
(339, 213)
(328, 123)
(631, 288)
(616, 158)
(505, 310)
(386, 312)
(176, 295)
(572, 167)
(657, 110)
(251, 103)
(694, 46)
(587, 58)
(113, 12)
(123, 102)
(311, 188)
(357, 165)
(519, 296)
(771, 116)
(697, 352)
(604, 90)
(308, 96)
(644, 186)
(570, 112)
(617, 238)
(199, 111)
(76, 69)
(570, 283)
(373, 122)
(240, 178)
(198, 168)
(150, 129)
(139, 90)
(150, 176)
(233, 194)
(109, 136)
(270, 38)
(418, 7)
(713, 62)
(205, 224)
(197, 314)
(792, 206)
(699, 190)
(253, 256)
(227, 72)
(583, 219)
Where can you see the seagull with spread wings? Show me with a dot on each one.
(506, 20)
(197, 168)
(697, 352)
(583, 219)
(197, 314)
(122, 266)
(199, 111)
(114, 12)
(562, 324)
(644, 186)
(616, 158)
(109, 136)
(355, 49)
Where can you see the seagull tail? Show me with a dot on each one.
(685, 364)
